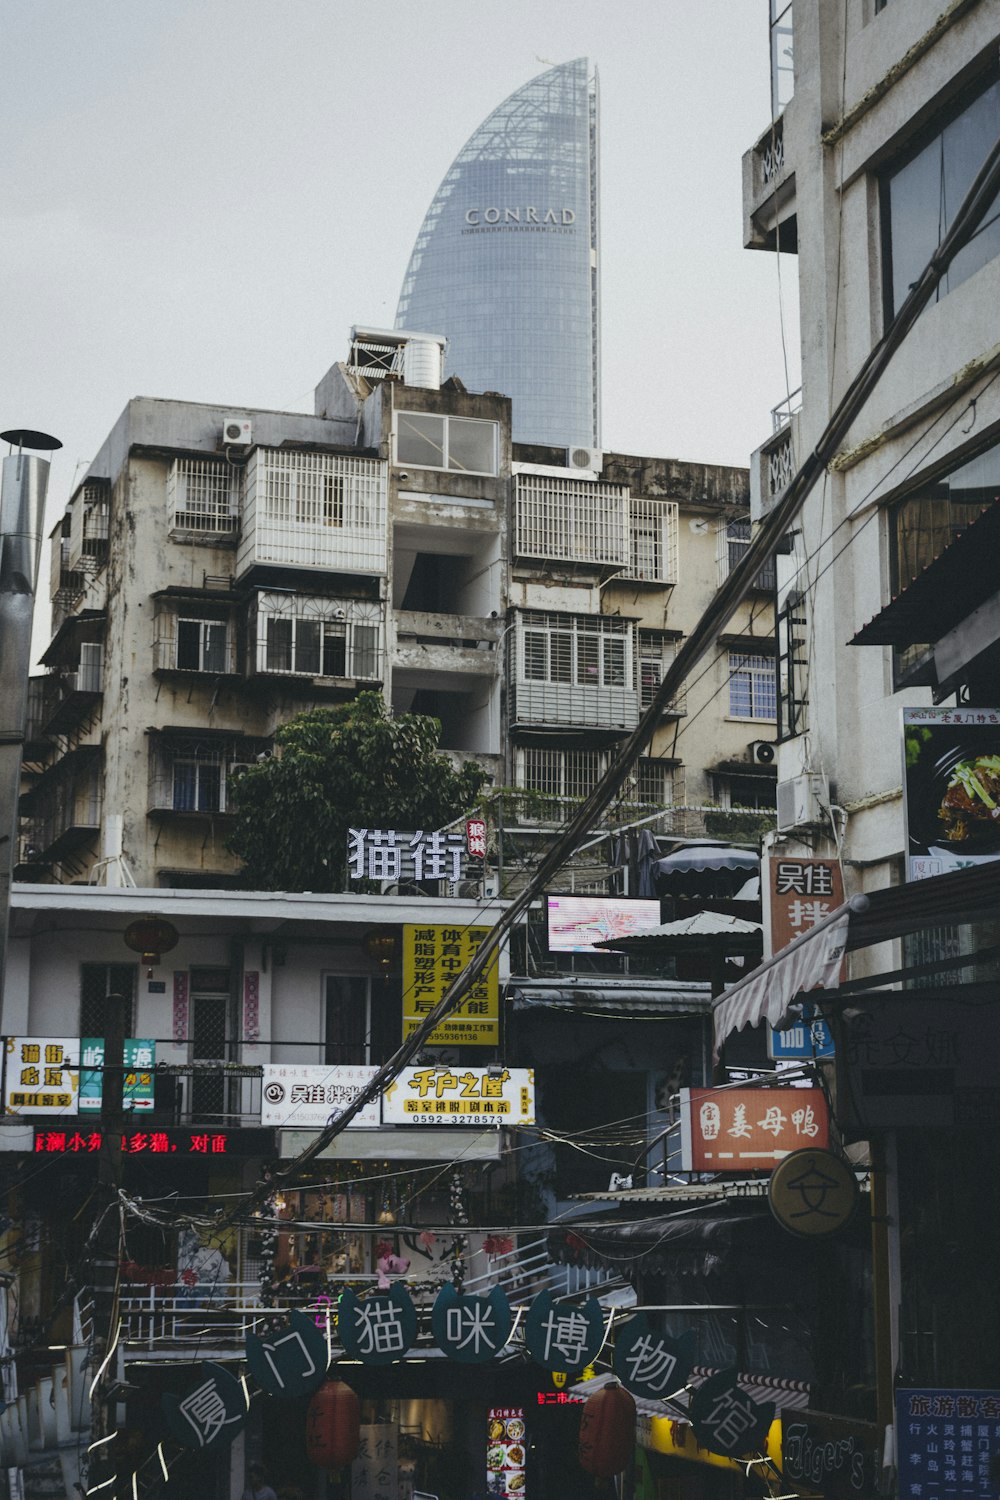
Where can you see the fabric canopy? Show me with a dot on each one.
(814, 960)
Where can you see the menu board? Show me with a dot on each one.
(506, 1450)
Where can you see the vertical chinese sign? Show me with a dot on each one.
(432, 957)
(139, 1057)
(948, 1443)
(801, 892)
(505, 1451)
(374, 1473)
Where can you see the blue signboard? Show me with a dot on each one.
(948, 1444)
(810, 1038)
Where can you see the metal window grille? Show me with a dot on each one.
(316, 636)
(655, 782)
(589, 650)
(189, 640)
(572, 520)
(559, 773)
(653, 540)
(734, 540)
(203, 494)
(210, 1006)
(752, 686)
(89, 527)
(314, 510)
(656, 653)
(187, 774)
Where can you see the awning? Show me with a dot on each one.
(700, 932)
(704, 867)
(815, 958)
(611, 997)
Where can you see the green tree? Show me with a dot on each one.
(337, 768)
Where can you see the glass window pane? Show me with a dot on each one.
(279, 645)
(189, 645)
(215, 647)
(307, 647)
(334, 650)
(209, 787)
(614, 662)
(420, 440)
(535, 654)
(472, 446)
(365, 662)
(185, 785)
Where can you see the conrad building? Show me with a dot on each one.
(506, 261)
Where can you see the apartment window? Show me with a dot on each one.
(203, 495)
(653, 540)
(201, 645)
(97, 981)
(588, 651)
(198, 786)
(782, 56)
(209, 1042)
(656, 653)
(921, 195)
(752, 689)
(463, 444)
(926, 521)
(655, 782)
(361, 1021)
(314, 646)
(734, 542)
(560, 773)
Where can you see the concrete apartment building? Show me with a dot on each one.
(219, 571)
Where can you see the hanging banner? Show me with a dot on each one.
(377, 1329)
(735, 1130)
(951, 784)
(210, 1415)
(460, 1096)
(562, 1337)
(652, 1364)
(728, 1421)
(432, 957)
(291, 1361)
(139, 1057)
(42, 1075)
(470, 1329)
(304, 1096)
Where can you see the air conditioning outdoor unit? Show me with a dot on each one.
(803, 800)
(584, 458)
(237, 432)
(761, 752)
(238, 767)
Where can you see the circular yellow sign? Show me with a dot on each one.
(813, 1193)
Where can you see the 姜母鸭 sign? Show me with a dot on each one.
(734, 1130)
(460, 1096)
(302, 1095)
(432, 957)
(42, 1075)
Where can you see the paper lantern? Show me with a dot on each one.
(607, 1431)
(333, 1426)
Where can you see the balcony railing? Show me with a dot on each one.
(313, 510)
(571, 520)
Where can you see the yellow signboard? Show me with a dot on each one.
(432, 957)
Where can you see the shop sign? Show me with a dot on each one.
(736, 1130)
(432, 958)
(460, 1096)
(813, 1193)
(475, 837)
(800, 893)
(506, 1451)
(651, 1364)
(375, 1471)
(139, 1057)
(42, 1075)
(726, 1419)
(947, 1442)
(377, 1329)
(171, 1143)
(561, 1337)
(291, 1361)
(392, 854)
(835, 1456)
(307, 1095)
(951, 785)
(209, 1415)
(468, 1328)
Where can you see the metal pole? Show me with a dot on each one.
(22, 507)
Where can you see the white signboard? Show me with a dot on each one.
(42, 1075)
(303, 1095)
(375, 1471)
(461, 1096)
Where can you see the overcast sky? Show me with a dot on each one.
(202, 196)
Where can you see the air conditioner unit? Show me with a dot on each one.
(237, 432)
(584, 458)
(801, 801)
(238, 767)
(761, 752)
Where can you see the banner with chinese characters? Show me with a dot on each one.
(432, 957)
(461, 1096)
(306, 1095)
(42, 1075)
(139, 1057)
(374, 1473)
(737, 1130)
(951, 786)
(800, 892)
(948, 1442)
(394, 854)
(162, 1144)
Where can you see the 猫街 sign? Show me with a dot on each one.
(460, 1096)
(392, 854)
(42, 1075)
(432, 957)
(731, 1130)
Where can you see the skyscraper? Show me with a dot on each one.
(506, 261)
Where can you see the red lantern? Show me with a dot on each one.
(333, 1426)
(607, 1431)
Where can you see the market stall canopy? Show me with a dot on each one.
(704, 867)
(814, 960)
(700, 932)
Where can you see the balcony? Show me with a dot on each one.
(89, 527)
(436, 644)
(772, 467)
(327, 643)
(574, 671)
(313, 511)
(769, 209)
(63, 808)
(190, 775)
(73, 694)
(572, 521)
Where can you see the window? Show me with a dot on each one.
(655, 782)
(362, 1022)
(329, 641)
(463, 444)
(921, 195)
(198, 786)
(734, 541)
(925, 522)
(653, 540)
(782, 56)
(752, 693)
(97, 981)
(586, 650)
(656, 652)
(560, 773)
(203, 495)
(201, 645)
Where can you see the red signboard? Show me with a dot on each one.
(738, 1130)
(172, 1141)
